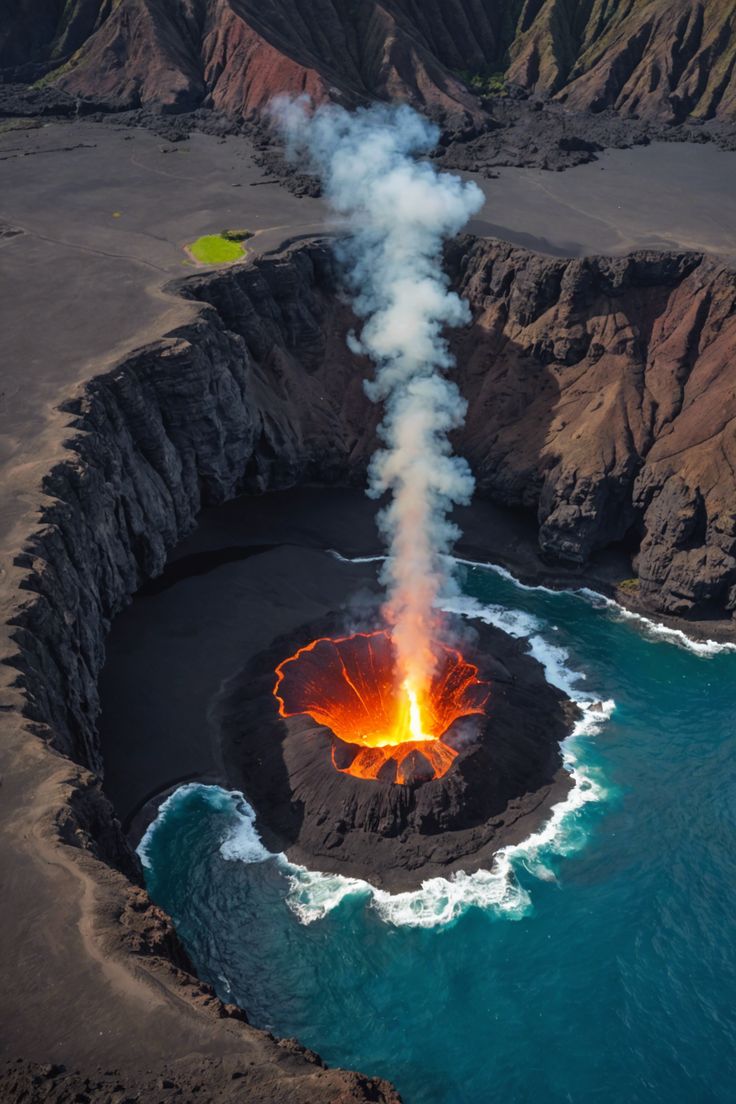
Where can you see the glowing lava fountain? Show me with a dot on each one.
(349, 685)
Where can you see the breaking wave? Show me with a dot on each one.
(440, 901)
(654, 630)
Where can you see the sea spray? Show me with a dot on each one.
(441, 901)
(312, 895)
(398, 211)
(654, 630)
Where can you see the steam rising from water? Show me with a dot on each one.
(399, 211)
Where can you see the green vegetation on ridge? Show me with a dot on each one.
(484, 82)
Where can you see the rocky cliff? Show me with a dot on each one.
(601, 396)
(192, 419)
(252, 395)
(663, 59)
(601, 400)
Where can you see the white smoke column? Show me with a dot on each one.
(399, 211)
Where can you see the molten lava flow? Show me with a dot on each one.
(349, 685)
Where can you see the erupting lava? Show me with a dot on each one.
(349, 685)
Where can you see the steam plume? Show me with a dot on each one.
(399, 210)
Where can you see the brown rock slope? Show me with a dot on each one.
(602, 395)
(235, 55)
(661, 59)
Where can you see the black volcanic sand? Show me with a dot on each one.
(95, 217)
(255, 569)
(507, 775)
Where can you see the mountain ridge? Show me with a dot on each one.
(664, 60)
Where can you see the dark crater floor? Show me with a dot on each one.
(501, 787)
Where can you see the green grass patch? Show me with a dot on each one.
(236, 235)
(484, 82)
(60, 71)
(8, 125)
(216, 249)
(629, 584)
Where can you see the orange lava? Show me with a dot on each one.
(348, 684)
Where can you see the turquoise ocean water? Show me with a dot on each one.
(597, 963)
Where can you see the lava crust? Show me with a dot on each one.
(507, 775)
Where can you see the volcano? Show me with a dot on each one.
(317, 733)
(382, 729)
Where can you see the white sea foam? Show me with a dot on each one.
(506, 574)
(354, 559)
(244, 843)
(514, 622)
(313, 895)
(655, 630)
(439, 901)
(143, 848)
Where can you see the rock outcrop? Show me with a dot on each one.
(206, 1078)
(601, 396)
(661, 59)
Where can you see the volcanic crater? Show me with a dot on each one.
(298, 716)
(255, 393)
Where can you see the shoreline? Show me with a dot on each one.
(268, 516)
(441, 897)
(517, 553)
(34, 768)
(498, 792)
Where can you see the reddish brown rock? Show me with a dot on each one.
(601, 396)
(663, 59)
(236, 56)
(660, 59)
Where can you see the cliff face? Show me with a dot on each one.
(601, 398)
(188, 420)
(663, 59)
(193, 419)
(660, 59)
(600, 394)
